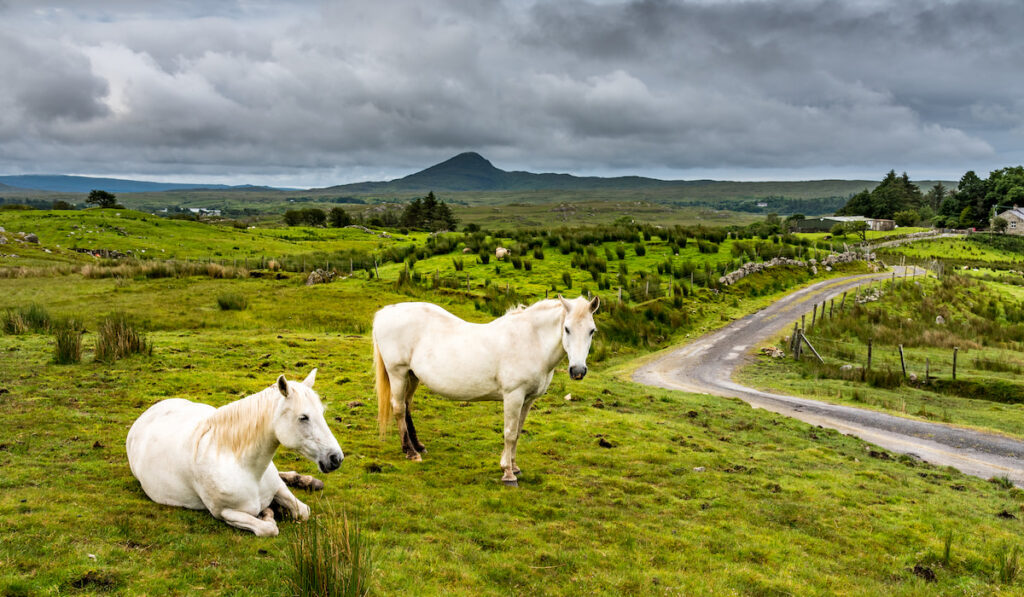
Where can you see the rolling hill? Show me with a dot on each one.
(84, 184)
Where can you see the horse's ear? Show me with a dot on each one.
(310, 379)
(282, 385)
(595, 303)
(565, 303)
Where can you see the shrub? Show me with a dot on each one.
(68, 336)
(232, 301)
(640, 249)
(13, 322)
(118, 338)
(620, 252)
(330, 557)
(567, 279)
(538, 253)
(458, 264)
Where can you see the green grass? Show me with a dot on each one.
(696, 495)
(982, 321)
(976, 250)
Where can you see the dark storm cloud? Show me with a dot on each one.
(359, 90)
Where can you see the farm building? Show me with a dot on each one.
(1015, 220)
(825, 223)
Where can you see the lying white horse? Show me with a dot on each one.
(196, 456)
(511, 359)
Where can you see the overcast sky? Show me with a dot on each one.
(313, 94)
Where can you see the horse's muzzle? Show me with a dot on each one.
(577, 372)
(330, 463)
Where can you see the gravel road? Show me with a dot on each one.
(707, 364)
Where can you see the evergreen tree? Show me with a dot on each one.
(338, 218)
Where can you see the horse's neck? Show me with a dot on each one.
(548, 325)
(245, 427)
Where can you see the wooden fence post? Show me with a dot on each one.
(903, 363)
(792, 339)
(831, 308)
(808, 343)
(842, 302)
(814, 314)
(955, 350)
(869, 355)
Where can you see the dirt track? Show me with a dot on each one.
(707, 364)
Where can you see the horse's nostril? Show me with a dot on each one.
(336, 460)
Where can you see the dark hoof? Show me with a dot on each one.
(421, 449)
(415, 457)
(517, 471)
(510, 483)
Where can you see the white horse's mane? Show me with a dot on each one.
(240, 424)
(521, 308)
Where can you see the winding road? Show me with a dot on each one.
(707, 365)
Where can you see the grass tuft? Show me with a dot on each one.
(34, 318)
(1009, 564)
(232, 301)
(68, 336)
(118, 338)
(330, 558)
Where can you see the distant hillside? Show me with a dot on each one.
(472, 172)
(84, 184)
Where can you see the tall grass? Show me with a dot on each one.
(232, 301)
(1009, 564)
(118, 338)
(330, 558)
(33, 318)
(68, 336)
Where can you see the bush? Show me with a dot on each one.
(117, 338)
(640, 249)
(330, 557)
(232, 301)
(68, 336)
(567, 279)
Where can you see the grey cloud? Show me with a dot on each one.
(354, 89)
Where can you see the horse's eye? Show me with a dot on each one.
(566, 330)
(303, 418)
(592, 332)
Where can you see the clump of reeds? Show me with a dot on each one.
(68, 335)
(232, 301)
(117, 338)
(330, 557)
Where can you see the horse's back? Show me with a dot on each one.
(160, 451)
(449, 355)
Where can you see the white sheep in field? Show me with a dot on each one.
(501, 252)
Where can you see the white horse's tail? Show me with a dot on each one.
(383, 384)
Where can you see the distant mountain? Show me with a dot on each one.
(84, 184)
(472, 172)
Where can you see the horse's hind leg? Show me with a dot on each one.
(513, 411)
(399, 395)
(410, 390)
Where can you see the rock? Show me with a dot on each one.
(846, 368)
(3, 240)
(319, 276)
(912, 377)
(940, 320)
(698, 469)
(568, 397)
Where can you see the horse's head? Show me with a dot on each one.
(299, 423)
(577, 332)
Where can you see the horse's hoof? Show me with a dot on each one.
(517, 471)
(421, 449)
(414, 457)
(510, 482)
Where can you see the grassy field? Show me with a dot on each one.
(981, 319)
(976, 250)
(626, 490)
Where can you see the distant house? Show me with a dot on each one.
(825, 223)
(1015, 220)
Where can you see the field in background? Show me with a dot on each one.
(626, 490)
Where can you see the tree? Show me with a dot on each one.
(1000, 225)
(101, 199)
(859, 227)
(338, 218)
(907, 217)
(935, 195)
(59, 204)
(839, 229)
(893, 194)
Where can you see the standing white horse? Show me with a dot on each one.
(510, 359)
(196, 456)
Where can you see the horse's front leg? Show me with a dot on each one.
(260, 526)
(522, 419)
(289, 502)
(513, 411)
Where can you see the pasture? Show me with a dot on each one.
(625, 490)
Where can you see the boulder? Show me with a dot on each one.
(319, 276)
(32, 238)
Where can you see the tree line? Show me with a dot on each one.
(973, 203)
